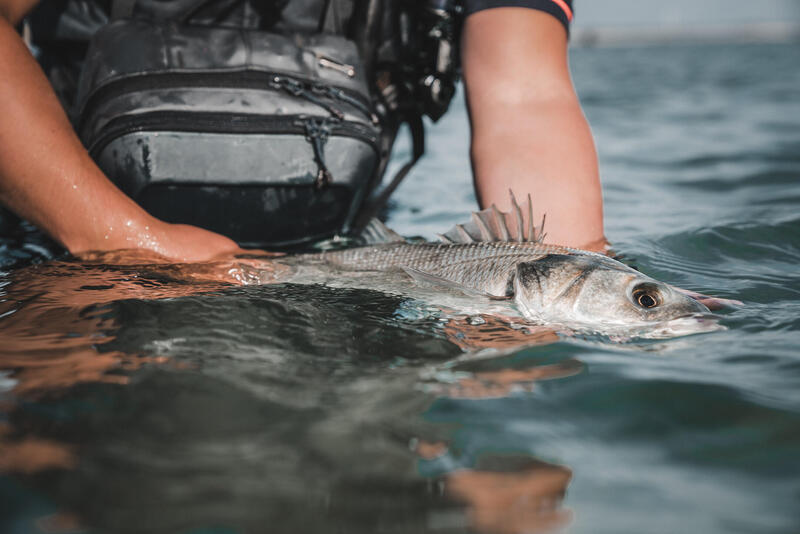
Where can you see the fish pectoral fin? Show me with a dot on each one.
(422, 278)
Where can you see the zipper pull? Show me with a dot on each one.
(298, 89)
(317, 134)
(330, 63)
(338, 94)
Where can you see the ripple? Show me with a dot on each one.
(165, 399)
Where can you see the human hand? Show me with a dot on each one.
(48, 178)
(147, 240)
(188, 253)
(185, 243)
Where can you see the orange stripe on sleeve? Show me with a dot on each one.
(563, 5)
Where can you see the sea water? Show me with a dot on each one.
(134, 401)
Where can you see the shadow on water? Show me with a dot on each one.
(290, 408)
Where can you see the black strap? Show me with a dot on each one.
(186, 18)
(323, 17)
(379, 200)
(122, 9)
(330, 18)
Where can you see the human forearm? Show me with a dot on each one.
(48, 178)
(528, 131)
(545, 149)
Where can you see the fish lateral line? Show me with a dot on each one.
(423, 278)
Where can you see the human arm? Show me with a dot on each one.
(529, 133)
(48, 178)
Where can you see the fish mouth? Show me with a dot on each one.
(685, 325)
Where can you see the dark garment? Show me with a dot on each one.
(62, 28)
(560, 9)
(149, 72)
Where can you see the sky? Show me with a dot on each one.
(631, 19)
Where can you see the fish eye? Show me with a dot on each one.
(646, 297)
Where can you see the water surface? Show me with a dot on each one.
(151, 400)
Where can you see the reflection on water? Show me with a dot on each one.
(242, 407)
(146, 398)
(527, 499)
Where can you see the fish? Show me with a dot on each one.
(501, 256)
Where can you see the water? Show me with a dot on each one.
(137, 400)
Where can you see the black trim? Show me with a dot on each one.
(547, 6)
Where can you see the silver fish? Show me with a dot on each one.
(547, 283)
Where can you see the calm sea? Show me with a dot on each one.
(282, 408)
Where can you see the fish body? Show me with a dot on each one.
(481, 268)
(547, 283)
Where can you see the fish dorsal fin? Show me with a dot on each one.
(377, 233)
(492, 225)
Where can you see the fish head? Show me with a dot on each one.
(598, 292)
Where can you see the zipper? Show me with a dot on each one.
(317, 133)
(297, 88)
(338, 94)
(316, 130)
(312, 92)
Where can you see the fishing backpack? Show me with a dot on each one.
(272, 137)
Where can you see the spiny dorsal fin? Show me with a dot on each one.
(377, 233)
(492, 225)
(518, 218)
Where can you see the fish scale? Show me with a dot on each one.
(484, 267)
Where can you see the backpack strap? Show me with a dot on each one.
(378, 200)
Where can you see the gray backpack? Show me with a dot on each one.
(273, 138)
(270, 139)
